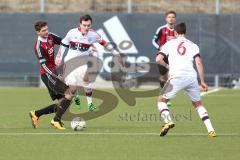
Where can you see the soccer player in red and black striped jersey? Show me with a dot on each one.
(163, 34)
(166, 32)
(44, 50)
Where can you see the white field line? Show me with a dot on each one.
(224, 95)
(113, 134)
(121, 134)
(209, 92)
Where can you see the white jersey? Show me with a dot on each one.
(79, 44)
(181, 53)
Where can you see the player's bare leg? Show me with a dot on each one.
(163, 71)
(203, 114)
(88, 91)
(163, 79)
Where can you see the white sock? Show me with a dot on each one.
(88, 91)
(208, 125)
(89, 100)
(164, 111)
(202, 112)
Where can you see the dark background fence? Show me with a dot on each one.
(217, 36)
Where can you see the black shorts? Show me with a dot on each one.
(162, 70)
(55, 87)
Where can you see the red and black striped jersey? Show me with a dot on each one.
(44, 50)
(162, 35)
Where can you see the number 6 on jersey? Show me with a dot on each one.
(181, 49)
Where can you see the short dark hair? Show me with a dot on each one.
(181, 28)
(85, 17)
(170, 12)
(39, 24)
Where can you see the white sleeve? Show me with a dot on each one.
(97, 38)
(58, 59)
(164, 49)
(67, 39)
(195, 50)
(62, 48)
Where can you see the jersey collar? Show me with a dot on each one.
(79, 29)
(42, 39)
(181, 37)
(171, 29)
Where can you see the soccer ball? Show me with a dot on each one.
(78, 124)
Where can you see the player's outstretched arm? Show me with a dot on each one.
(200, 70)
(119, 57)
(115, 52)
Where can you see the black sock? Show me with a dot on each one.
(61, 108)
(46, 110)
(162, 83)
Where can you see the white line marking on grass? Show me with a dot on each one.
(113, 133)
(224, 95)
(209, 92)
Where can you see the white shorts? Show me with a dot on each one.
(75, 78)
(188, 84)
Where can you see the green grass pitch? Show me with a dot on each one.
(127, 132)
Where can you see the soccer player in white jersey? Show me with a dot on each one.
(181, 54)
(79, 42)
